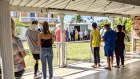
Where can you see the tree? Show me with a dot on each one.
(77, 19)
(123, 21)
(118, 21)
(103, 22)
(19, 26)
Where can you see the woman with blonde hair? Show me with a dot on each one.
(45, 42)
(18, 53)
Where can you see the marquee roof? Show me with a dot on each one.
(82, 7)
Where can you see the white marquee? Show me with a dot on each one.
(82, 7)
(61, 7)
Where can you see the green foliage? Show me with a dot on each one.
(18, 30)
(118, 21)
(103, 22)
(123, 21)
(77, 19)
(19, 26)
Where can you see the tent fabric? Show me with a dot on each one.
(124, 7)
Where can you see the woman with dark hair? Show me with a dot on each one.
(120, 46)
(18, 53)
(45, 42)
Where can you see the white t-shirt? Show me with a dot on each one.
(102, 32)
(86, 32)
(32, 38)
(81, 34)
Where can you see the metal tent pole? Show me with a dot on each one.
(112, 22)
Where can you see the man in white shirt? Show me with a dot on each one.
(86, 35)
(81, 35)
(102, 32)
(32, 38)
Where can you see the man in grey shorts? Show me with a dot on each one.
(32, 38)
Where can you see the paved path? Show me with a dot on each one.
(83, 70)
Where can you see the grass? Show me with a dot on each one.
(75, 52)
(30, 61)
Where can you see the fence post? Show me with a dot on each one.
(62, 48)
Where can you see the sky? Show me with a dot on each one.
(96, 18)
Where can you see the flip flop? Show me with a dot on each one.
(93, 66)
(107, 68)
(117, 66)
(122, 65)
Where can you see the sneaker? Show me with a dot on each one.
(40, 74)
(36, 76)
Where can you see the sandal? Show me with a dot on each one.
(122, 65)
(107, 68)
(93, 66)
(117, 66)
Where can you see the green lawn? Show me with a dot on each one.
(75, 52)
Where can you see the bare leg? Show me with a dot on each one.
(112, 57)
(36, 67)
(109, 63)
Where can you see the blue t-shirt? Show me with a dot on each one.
(110, 38)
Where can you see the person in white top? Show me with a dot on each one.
(86, 34)
(102, 32)
(32, 38)
(81, 35)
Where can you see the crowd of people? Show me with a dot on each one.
(76, 35)
(73, 35)
(114, 41)
(40, 45)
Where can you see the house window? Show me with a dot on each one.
(49, 15)
(52, 16)
(32, 14)
(13, 14)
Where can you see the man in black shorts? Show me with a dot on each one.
(32, 38)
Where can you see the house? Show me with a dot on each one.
(28, 17)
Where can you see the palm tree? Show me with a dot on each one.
(77, 19)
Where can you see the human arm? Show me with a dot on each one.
(39, 39)
(52, 39)
(105, 36)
